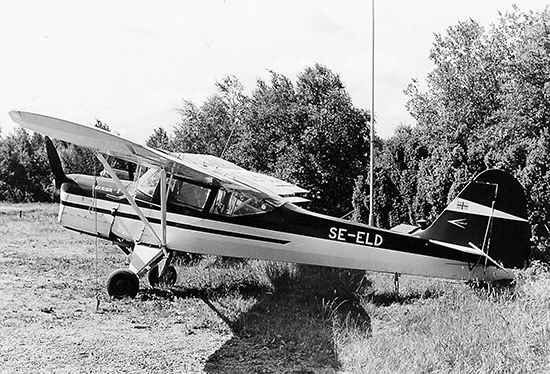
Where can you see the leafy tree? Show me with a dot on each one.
(309, 134)
(159, 139)
(210, 128)
(486, 106)
(461, 103)
(332, 146)
(24, 172)
(270, 126)
(395, 190)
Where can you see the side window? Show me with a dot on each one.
(188, 194)
(148, 183)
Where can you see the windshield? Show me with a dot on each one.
(238, 202)
(149, 181)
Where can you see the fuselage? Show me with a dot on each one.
(284, 232)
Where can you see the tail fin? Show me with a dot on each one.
(490, 214)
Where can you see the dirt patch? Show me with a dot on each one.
(55, 316)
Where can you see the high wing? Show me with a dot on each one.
(201, 168)
(106, 143)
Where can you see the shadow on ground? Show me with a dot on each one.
(279, 334)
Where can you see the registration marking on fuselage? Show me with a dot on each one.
(357, 237)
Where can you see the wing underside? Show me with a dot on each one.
(202, 168)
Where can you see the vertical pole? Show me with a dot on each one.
(371, 182)
(163, 202)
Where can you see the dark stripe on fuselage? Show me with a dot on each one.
(292, 220)
(178, 224)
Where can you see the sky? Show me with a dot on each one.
(130, 64)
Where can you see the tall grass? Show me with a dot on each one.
(430, 326)
(272, 316)
(461, 331)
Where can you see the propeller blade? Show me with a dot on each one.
(55, 164)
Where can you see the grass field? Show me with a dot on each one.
(248, 317)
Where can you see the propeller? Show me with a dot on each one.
(55, 164)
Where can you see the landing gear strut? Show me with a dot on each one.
(122, 283)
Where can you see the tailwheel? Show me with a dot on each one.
(122, 283)
(168, 279)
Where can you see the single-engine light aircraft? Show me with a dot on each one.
(203, 204)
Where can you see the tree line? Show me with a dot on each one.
(486, 105)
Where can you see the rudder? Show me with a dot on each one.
(489, 214)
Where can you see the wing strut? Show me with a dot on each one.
(130, 198)
(145, 257)
(163, 201)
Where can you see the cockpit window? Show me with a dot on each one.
(242, 202)
(230, 200)
(188, 194)
(149, 181)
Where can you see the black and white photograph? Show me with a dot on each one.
(293, 187)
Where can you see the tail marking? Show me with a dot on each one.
(460, 205)
(460, 223)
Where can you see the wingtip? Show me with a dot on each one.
(15, 115)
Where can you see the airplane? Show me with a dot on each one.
(206, 205)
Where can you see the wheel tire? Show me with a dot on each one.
(170, 276)
(122, 283)
(168, 279)
(153, 276)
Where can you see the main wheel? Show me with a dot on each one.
(122, 283)
(170, 276)
(168, 279)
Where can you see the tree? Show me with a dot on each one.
(309, 134)
(213, 127)
(395, 190)
(159, 140)
(24, 171)
(332, 143)
(487, 105)
(270, 127)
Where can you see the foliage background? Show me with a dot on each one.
(486, 105)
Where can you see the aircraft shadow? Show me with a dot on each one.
(280, 333)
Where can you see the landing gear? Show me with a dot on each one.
(168, 279)
(122, 283)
